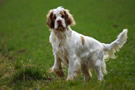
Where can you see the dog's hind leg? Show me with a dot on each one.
(99, 70)
(103, 67)
(85, 71)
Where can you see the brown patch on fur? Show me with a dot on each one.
(83, 40)
(50, 19)
(68, 18)
(66, 55)
(62, 14)
(85, 70)
(59, 73)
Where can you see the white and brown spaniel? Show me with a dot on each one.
(77, 51)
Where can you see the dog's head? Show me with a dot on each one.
(59, 19)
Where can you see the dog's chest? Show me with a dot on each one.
(60, 48)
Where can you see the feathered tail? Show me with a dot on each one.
(111, 48)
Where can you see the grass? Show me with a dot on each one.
(25, 49)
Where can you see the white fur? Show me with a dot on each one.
(58, 15)
(91, 54)
(111, 48)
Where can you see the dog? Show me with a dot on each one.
(77, 51)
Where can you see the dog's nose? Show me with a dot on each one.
(59, 22)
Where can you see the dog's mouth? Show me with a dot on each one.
(60, 27)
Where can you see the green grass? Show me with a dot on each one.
(25, 49)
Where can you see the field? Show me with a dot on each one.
(26, 54)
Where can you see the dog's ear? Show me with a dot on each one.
(69, 18)
(50, 21)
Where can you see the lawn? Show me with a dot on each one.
(26, 54)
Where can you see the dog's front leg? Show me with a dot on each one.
(57, 68)
(72, 68)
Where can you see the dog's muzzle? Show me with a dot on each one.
(60, 25)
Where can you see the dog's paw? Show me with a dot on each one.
(105, 72)
(50, 70)
(71, 77)
(59, 72)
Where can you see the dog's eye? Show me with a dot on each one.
(62, 16)
(54, 17)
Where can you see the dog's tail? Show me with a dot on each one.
(111, 48)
